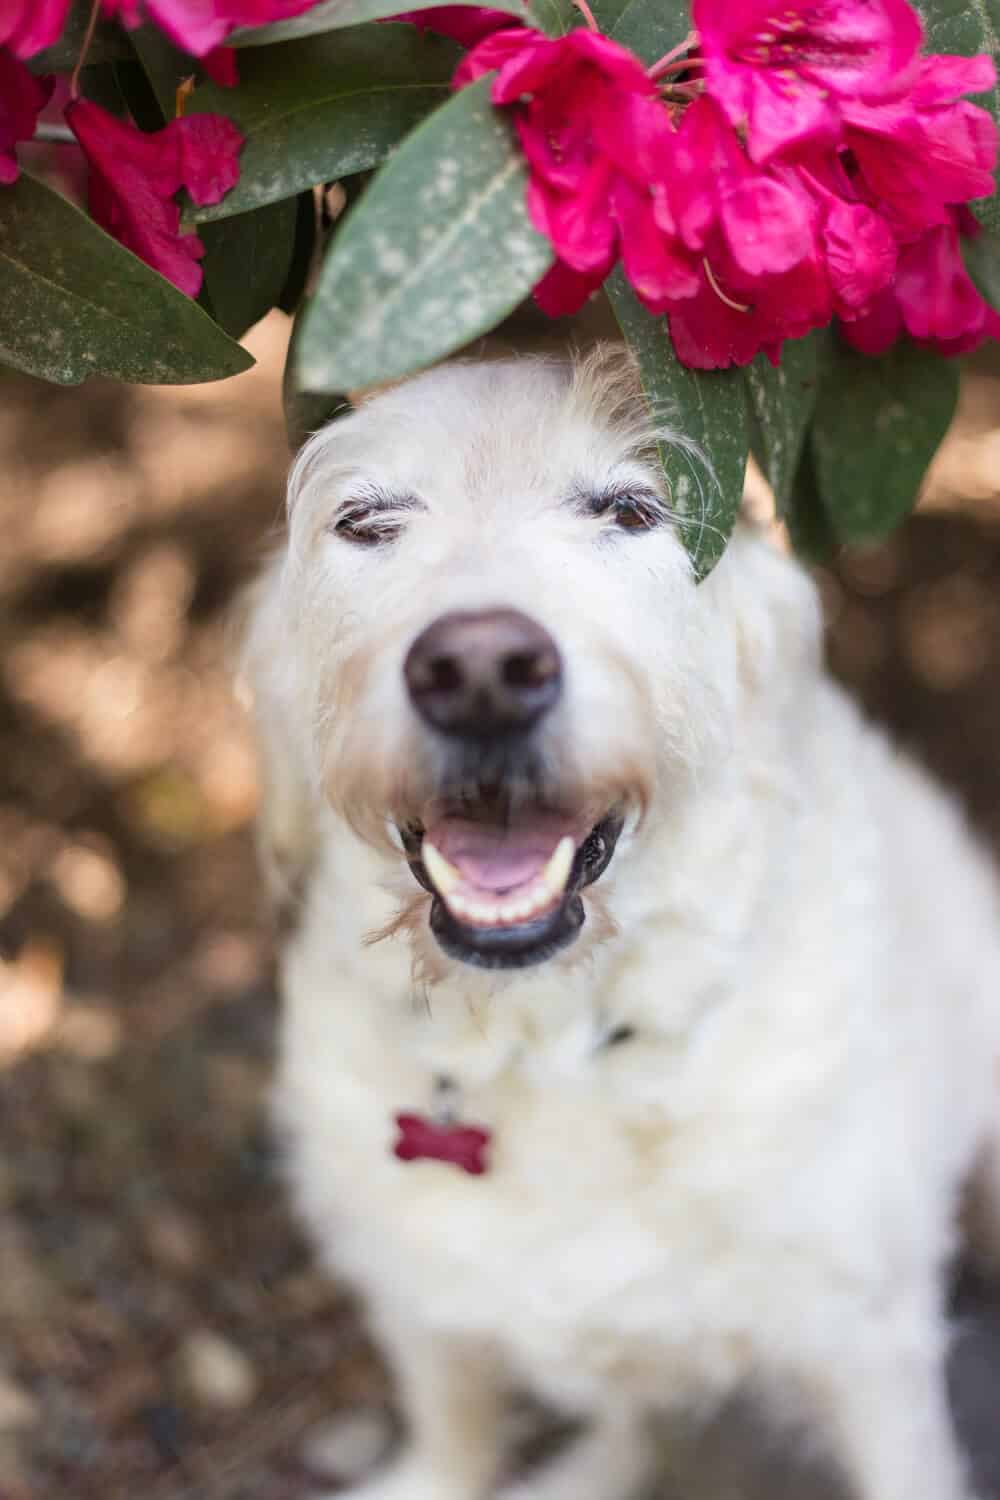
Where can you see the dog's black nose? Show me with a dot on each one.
(486, 673)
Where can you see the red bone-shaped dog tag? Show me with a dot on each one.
(461, 1145)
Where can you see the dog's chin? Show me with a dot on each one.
(491, 932)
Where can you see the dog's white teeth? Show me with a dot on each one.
(487, 911)
(556, 872)
(442, 875)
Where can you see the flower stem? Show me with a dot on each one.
(587, 13)
(88, 37)
(716, 288)
(670, 61)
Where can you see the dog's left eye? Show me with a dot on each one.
(629, 511)
(368, 528)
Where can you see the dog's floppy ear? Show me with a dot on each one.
(287, 816)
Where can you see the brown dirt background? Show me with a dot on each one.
(144, 1236)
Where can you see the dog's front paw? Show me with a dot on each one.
(409, 1479)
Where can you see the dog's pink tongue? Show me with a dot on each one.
(495, 858)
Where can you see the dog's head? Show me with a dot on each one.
(485, 646)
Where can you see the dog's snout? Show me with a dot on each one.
(477, 674)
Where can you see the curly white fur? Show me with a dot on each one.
(762, 1185)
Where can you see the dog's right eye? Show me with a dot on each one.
(367, 528)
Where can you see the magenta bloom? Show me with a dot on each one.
(198, 26)
(782, 70)
(596, 138)
(918, 156)
(932, 299)
(133, 177)
(750, 242)
(858, 246)
(710, 333)
(22, 99)
(27, 26)
(465, 24)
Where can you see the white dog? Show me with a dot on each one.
(642, 1005)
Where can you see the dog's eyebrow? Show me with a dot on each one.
(373, 497)
(591, 499)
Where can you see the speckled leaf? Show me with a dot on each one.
(437, 250)
(74, 303)
(781, 403)
(705, 464)
(246, 264)
(968, 27)
(332, 15)
(305, 411)
(982, 261)
(809, 528)
(877, 426)
(556, 17)
(323, 108)
(651, 27)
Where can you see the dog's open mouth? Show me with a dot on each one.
(507, 892)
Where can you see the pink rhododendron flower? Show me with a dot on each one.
(860, 255)
(134, 177)
(198, 26)
(595, 137)
(22, 99)
(782, 67)
(933, 299)
(465, 24)
(710, 333)
(751, 244)
(919, 155)
(858, 246)
(28, 26)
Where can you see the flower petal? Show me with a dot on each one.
(22, 99)
(28, 26)
(767, 226)
(133, 177)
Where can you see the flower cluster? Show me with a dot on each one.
(134, 175)
(792, 162)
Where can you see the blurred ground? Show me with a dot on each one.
(162, 1331)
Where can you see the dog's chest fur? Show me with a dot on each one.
(661, 1188)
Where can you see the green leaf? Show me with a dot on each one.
(316, 110)
(982, 261)
(333, 15)
(556, 17)
(246, 264)
(305, 412)
(436, 251)
(705, 464)
(877, 426)
(306, 230)
(75, 303)
(108, 42)
(652, 28)
(968, 27)
(805, 515)
(781, 402)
